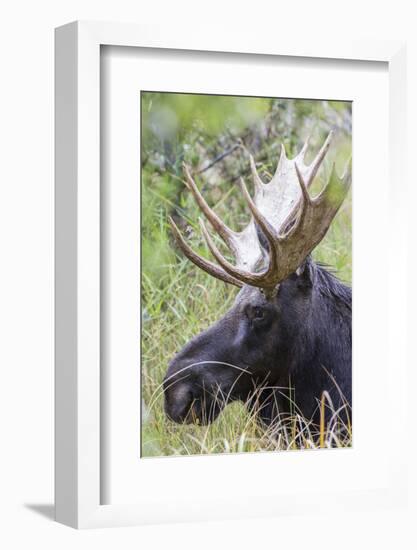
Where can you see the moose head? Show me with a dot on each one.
(291, 319)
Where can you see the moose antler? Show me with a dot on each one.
(292, 222)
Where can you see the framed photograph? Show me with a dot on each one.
(240, 362)
(222, 206)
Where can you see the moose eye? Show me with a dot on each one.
(258, 313)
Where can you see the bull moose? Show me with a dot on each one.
(287, 337)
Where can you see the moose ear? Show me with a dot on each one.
(306, 274)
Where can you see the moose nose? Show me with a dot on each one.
(178, 401)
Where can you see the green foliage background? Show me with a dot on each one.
(178, 300)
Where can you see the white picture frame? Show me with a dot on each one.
(78, 426)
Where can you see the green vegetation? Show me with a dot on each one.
(179, 300)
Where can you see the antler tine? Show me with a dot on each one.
(302, 208)
(303, 185)
(283, 159)
(202, 263)
(263, 279)
(267, 229)
(316, 215)
(315, 165)
(258, 183)
(305, 176)
(218, 225)
(337, 187)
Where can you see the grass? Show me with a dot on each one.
(237, 430)
(178, 304)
